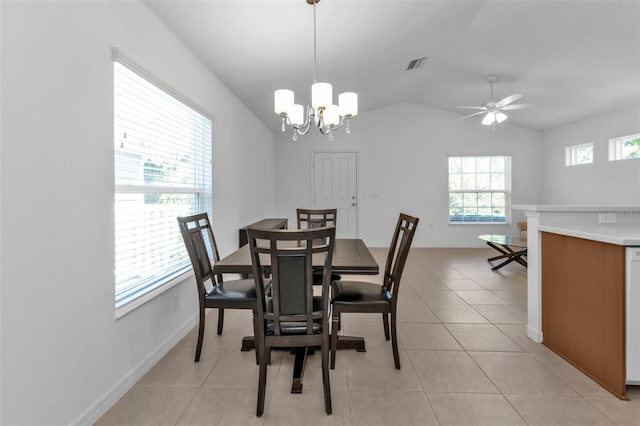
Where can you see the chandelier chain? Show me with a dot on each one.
(315, 54)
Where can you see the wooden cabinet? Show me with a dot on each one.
(583, 306)
(272, 223)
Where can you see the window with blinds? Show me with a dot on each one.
(162, 167)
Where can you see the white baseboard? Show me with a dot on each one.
(450, 245)
(431, 245)
(534, 334)
(99, 407)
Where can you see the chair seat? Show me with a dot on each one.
(360, 292)
(293, 328)
(240, 290)
(367, 297)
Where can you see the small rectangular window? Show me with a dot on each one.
(579, 154)
(479, 189)
(162, 168)
(624, 148)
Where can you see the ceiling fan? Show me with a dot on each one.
(494, 111)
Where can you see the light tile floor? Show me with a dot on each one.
(466, 360)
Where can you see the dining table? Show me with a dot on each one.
(350, 257)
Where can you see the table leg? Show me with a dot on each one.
(298, 369)
(351, 342)
(344, 342)
(507, 253)
(515, 256)
(247, 343)
(500, 248)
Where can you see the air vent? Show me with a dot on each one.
(415, 63)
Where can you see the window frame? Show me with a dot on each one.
(571, 154)
(506, 191)
(130, 298)
(616, 147)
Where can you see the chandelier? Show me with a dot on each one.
(322, 113)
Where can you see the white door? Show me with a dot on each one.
(334, 186)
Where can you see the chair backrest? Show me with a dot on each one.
(398, 252)
(310, 218)
(291, 254)
(201, 245)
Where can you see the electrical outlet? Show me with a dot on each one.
(175, 302)
(607, 218)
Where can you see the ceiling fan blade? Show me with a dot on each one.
(473, 107)
(509, 99)
(470, 115)
(516, 106)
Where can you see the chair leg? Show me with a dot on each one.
(200, 335)
(256, 330)
(220, 320)
(325, 371)
(394, 340)
(262, 377)
(385, 324)
(335, 320)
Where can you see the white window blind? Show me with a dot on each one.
(479, 189)
(162, 167)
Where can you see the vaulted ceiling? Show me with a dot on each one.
(570, 59)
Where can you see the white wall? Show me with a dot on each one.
(604, 181)
(64, 357)
(402, 156)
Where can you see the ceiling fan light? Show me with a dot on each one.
(348, 104)
(321, 95)
(282, 101)
(489, 119)
(500, 117)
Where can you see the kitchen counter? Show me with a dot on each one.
(598, 208)
(578, 220)
(622, 235)
(578, 238)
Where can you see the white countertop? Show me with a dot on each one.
(623, 235)
(599, 208)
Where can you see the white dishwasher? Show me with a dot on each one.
(633, 315)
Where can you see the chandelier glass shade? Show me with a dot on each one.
(322, 112)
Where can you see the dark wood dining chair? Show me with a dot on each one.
(288, 313)
(366, 297)
(213, 291)
(314, 218)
